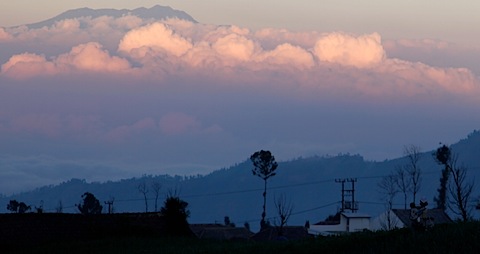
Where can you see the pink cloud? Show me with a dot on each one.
(124, 132)
(67, 25)
(66, 32)
(422, 78)
(271, 37)
(235, 47)
(178, 123)
(144, 124)
(362, 52)
(311, 61)
(213, 34)
(27, 65)
(287, 54)
(156, 36)
(92, 57)
(202, 56)
(4, 35)
(84, 57)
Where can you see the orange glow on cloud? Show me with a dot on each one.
(181, 48)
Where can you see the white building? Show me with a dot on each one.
(349, 222)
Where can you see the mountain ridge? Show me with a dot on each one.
(157, 12)
(235, 192)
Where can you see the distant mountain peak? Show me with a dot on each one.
(156, 12)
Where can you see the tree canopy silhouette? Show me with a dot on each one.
(176, 213)
(17, 207)
(90, 204)
(13, 206)
(23, 208)
(443, 157)
(264, 166)
(460, 189)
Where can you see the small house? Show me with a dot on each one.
(400, 218)
(349, 222)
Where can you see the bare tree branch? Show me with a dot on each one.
(413, 156)
(460, 191)
(388, 188)
(284, 210)
(156, 186)
(142, 188)
(404, 183)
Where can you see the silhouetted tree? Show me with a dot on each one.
(284, 209)
(12, 206)
(403, 183)
(264, 167)
(228, 222)
(142, 188)
(17, 207)
(413, 156)
(39, 209)
(23, 208)
(176, 213)
(90, 204)
(388, 189)
(460, 191)
(59, 207)
(156, 186)
(443, 157)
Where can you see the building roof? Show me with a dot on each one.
(327, 223)
(438, 215)
(346, 215)
(355, 215)
(220, 232)
(288, 233)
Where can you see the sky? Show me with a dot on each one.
(109, 98)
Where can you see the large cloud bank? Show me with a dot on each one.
(173, 97)
(132, 46)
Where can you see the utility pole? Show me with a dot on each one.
(110, 205)
(342, 181)
(348, 205)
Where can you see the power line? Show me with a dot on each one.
(315, 208)
(271, 188)
(298, 212)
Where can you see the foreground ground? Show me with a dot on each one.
(454, 238)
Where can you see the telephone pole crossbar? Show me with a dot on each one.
(348, 193)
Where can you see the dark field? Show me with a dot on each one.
(130, 236)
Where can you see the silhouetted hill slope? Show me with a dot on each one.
(308, 182)
(156, 12)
